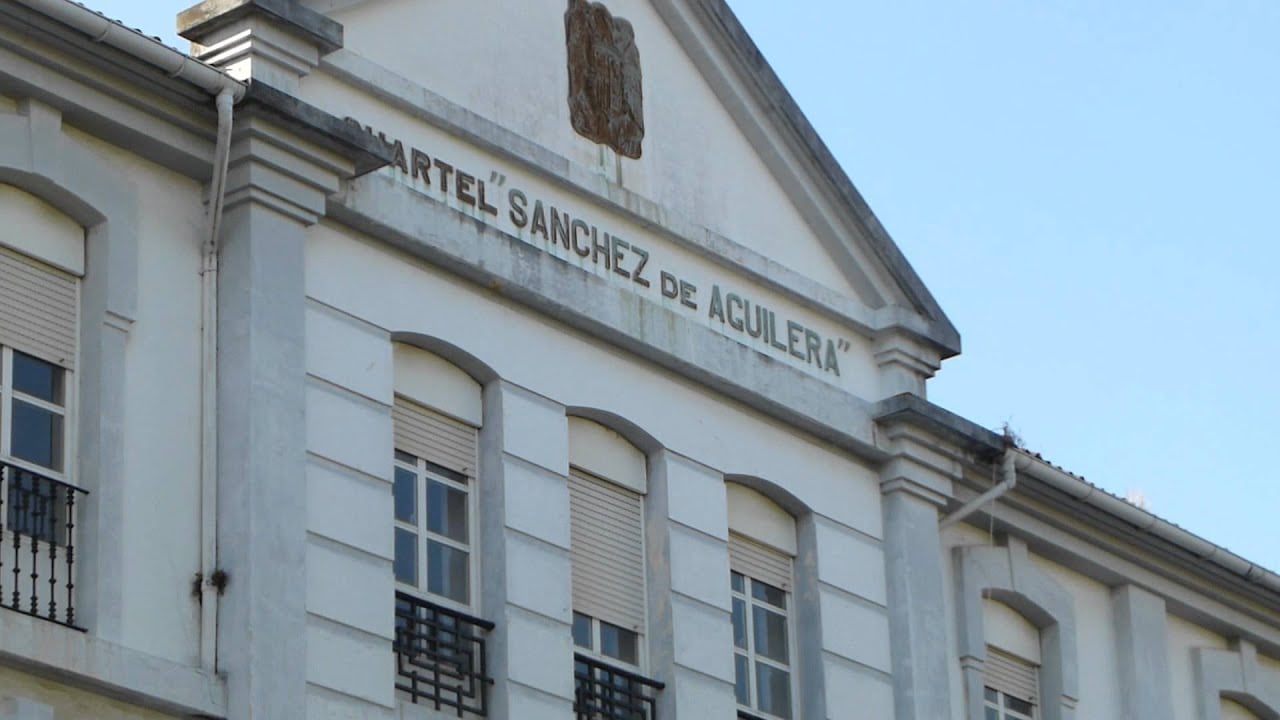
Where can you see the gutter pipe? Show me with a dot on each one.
(1087, 493)
(172, 62)
(210, 585)
(1009, 474)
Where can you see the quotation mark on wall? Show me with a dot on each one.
(845, 345)
(497, 178)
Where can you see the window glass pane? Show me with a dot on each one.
(36, 435)
(447, 572)
(406, 561)
(742, 679)
(736, 582)
(1017, 705)
(446, 511)
(991, 695)
(582, 630)
(740, 623)
(774, 687)
(37, 378)
(619, 644)
(406, 458)
(770, 634)
(769, 594)
(992, 713)
(406, 495)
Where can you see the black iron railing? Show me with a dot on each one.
(38, 545)
(605, 692)
(440, 656)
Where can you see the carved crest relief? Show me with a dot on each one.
(606, 101)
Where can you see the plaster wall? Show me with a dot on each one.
(1235, 711)
(1185, 636)
(61, 702)
(361, 291)
(1096, 641)
(39, 230)
(7, 104)
(510, 67)
(162, 414)
(532, 352)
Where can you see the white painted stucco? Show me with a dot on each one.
(428, 380)
(36, 229)
(606, 454)
(1184, 637)
(1011, 632)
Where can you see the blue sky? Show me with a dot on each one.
(1090, 189)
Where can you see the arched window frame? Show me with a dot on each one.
(39, 158)
(1007, 575)
(1235, 675)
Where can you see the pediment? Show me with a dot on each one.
(664, 100)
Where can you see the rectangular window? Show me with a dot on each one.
(761, 628)
(607, 548)
(433, 549)
(1012, 686)
(433, 500)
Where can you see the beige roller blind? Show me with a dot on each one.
(605, 535)
(759, 562)
(38, 309)
(1012, 676)
(436, 438)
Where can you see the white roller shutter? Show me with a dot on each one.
(1012, 676)
(436, 438)
(38, 309)
(608, 551)
(759, 562)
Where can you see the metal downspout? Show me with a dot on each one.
(1009, 472)
(210, 587)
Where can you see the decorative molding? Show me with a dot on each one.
(1007, 575)
(1234, 675)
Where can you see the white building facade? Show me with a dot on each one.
(524, 360)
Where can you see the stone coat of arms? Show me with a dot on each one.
(606, 101)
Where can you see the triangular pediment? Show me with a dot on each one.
(666, 99)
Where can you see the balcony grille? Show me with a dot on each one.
(440, 656)
(38, 545)
(604, 692)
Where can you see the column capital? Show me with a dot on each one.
(291, 156)
(276, 41)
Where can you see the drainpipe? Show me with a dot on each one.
(209, 587)
(1009, 473)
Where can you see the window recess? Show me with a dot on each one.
(441, 657)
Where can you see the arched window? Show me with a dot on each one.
(41, 260)
(1017, 636)
(762, 548)
(437, 414)
(607, 484)
(1011, 675)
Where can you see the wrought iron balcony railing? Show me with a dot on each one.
(440, 656)
(605, 692)
(38, 540)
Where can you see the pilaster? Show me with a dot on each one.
(525, 536)
(1142, 654)
(687, 544)
(276, 188)
(916, 486)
